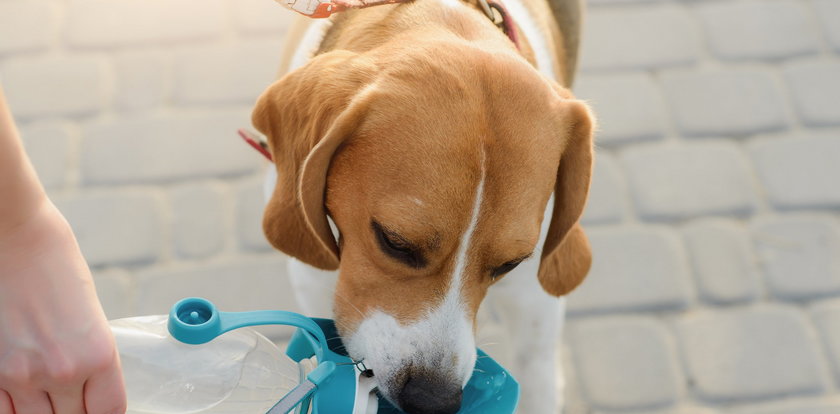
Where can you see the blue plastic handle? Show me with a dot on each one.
(196, 321)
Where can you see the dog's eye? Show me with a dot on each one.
(505, 268)
(398, 247)
(395, 243)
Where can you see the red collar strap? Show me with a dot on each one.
(256, 142)
(497, 13)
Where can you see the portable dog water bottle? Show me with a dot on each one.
(200, 360)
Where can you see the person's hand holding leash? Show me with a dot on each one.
(57, 353)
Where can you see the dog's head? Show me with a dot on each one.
(436, 172)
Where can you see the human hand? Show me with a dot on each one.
(57, 353)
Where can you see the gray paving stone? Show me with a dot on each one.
(800, 255)
(828, 13)
(642, 43)
(115, 227)
(237, 74)
(793, 407)
(815, 87)
(48, 146)
(246, 283)
(573, 398)
(800, 171)
(255, 16)
(722, 257)
(142, 80)
(689, 409)
(625, 363)
(608, 195)
(630, 107)
(686, 409)
(17, 21)
(614, 2)
(827, 319)
(670, 181)
(200, 219)
(725, 102)
(767, 29)
(634, 269)
(55, 86)
(240, 284)
(114, 289)
(104, 23)
(250, 204)
(747, 354)
(166, 147)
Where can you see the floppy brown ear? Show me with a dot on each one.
(306, 116)
(566, 255)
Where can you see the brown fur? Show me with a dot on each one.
(398, 107)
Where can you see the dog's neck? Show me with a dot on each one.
(375, 26)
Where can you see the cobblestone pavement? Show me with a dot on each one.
(714, 211)
(713, 216)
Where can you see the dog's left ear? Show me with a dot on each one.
(306, 116)
(566, 255)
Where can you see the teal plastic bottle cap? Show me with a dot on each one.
(194, 321)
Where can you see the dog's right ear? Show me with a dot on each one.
(306, 116)
(566, 255)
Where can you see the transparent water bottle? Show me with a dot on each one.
(240, 371)
(200, 360)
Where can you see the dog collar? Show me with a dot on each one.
(498, 14)
(256, 142)
(319, 9)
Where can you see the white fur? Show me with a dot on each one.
(520, 326)
(452, 3)
(538, 41)
(309, 43)
(441, 339)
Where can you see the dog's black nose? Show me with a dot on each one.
(429, 394)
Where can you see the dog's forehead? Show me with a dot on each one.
(420, 166)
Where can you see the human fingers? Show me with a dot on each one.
(30, 401)
(105, 392)
(18, 381)
(68, 399)
(6, 403)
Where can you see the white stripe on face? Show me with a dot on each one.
(441, 340)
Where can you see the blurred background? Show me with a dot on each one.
(713, 214)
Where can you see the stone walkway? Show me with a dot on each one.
(714, 210)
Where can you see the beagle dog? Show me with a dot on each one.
(417, 147)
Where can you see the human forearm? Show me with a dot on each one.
(21, 194)
(57, 352)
